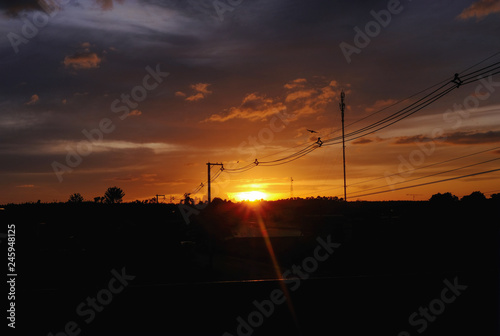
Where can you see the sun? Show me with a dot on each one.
(251, 196)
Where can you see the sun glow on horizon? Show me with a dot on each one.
(251, 196)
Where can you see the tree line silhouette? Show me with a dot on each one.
(111, 196)
(114, 195)
(475, 196)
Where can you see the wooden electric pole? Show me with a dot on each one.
(342, 108)
(209, 166)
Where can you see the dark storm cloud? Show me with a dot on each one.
(14, 7)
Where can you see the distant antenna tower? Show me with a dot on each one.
(157, 196)
(291, 187)
(413, 195)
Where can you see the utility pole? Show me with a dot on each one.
(157, 198)
(209, 166)
(342, 108)
(291, 187)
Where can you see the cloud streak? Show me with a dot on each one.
(253, 107)
(82, 61)
(456, 138)
(480, 9)
(362, 141)
(471, 138)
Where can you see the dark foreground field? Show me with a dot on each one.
(385, 268)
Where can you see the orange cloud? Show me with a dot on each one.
(201, 87)
(253, 108)
(312, 100)
(296, 83)
(33, 100)
(480, 9)
(195, 97)
(84, 60)
(299, 95)
(304, 99)
(135, 113)
(201, 92)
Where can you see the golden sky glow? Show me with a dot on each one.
(141, 95)
(250, 196)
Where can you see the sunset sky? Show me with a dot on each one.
(163, 87)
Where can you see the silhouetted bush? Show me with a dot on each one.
(75, 198)
(444, 198)
(475, 196)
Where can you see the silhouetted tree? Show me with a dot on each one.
(446, 197)
(98, 199)
(75, 198)
(113, 195)
(495, 197)
(187, 199)
(475, 196)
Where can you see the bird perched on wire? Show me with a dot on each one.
(311, 131)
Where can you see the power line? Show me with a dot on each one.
(389, 120)
(413, 169)
(435, 174)
(389, 106)
(432, 182)
(378, 125)
(484, 60)
(447, 80)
